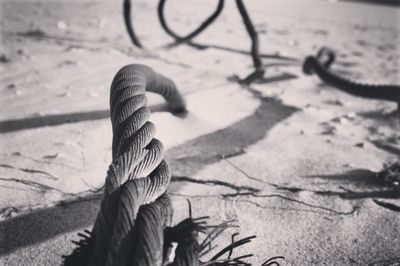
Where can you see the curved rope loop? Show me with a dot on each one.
(193, 34)
(128, 24)
(320, 65)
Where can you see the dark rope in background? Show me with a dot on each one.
(320, 66)
(255, 54)
(135, 209)
(252, 32)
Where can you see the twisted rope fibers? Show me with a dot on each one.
(320, 66)
(138, 165)
(132, 224)
(128, 24)
(135, 208)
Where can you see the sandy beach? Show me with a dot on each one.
(292, 159)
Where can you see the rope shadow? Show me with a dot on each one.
(190, 157)
(51, 120)
(277, 78)
(60, 119)
(363, 178)
(380, 115)
(40, 225)
(382, 2)
(201, 46)
(351, 195)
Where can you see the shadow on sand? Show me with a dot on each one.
(367, 180)
(186, 159)
(40, 225)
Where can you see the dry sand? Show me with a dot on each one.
(303, 144)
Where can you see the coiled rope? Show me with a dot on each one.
(179, 39)
(132, 226)
(320, 65)
(128, 24)
(255, 54)
(193, 34)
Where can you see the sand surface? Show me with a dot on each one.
(310, 151)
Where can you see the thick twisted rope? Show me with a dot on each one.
(138, 174)
(132, 225)
(320, 66)
(135, 209)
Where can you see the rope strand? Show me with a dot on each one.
(371, 91)
(193, 34)
(132, 226)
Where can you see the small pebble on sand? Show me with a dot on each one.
(351, 115)
(339, 120)
(11, 86)
(4, 58)
(335, 102)
(62, 25)
(65, 94)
